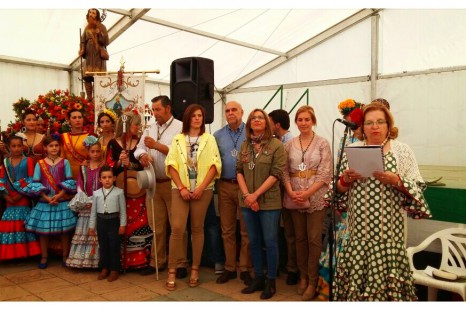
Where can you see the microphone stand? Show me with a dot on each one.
(331, 227)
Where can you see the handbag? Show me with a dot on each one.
(104, 54)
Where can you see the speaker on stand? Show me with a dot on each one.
(192, 81)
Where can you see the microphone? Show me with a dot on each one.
(351, 125)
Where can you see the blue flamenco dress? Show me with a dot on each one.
(15, 241)
(46, 219)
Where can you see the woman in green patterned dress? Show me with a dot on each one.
(373, 264)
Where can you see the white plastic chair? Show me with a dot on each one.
(453, 241)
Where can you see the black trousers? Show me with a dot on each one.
(109, 242)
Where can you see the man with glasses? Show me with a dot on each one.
(229, 140)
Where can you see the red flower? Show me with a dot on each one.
(356, 116)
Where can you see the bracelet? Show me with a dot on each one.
(343, 183)
(181, 188)
(245, 195)
(140, 156)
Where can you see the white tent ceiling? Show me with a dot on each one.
(414, 58)
(238, 40)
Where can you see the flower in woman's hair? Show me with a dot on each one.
(89, 141)
(111, 114)
(356, 116)
(345, 107)
(56, 136)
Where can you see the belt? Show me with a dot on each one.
(162, 180)
(234, 181)
(107, 216)
(306, 174)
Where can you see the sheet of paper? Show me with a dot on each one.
(365, 159)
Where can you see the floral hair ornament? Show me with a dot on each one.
(90, 140)
(356, 116)
(56, 136)
(111, 114)
(347, 106)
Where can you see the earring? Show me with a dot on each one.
(23, 129)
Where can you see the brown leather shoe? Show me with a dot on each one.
(113, 276)
(103, 274)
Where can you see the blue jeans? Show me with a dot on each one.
(213, 244)
(263, 224)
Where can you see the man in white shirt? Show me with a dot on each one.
(153, 147)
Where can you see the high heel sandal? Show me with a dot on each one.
(193, 282)
(309, 295)
(302, 289)
(170, 285)
(43, 262)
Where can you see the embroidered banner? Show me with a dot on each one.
(119, 94)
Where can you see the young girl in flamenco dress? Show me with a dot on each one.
(84, 251)
(15, 174)
(54, 186)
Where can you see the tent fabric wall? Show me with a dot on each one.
(413, 40)
(29, 82)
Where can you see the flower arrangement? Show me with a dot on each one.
(53, 108)
(345, 107)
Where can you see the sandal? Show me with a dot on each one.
(170, 285)
(43, 262)
(193, 282)
(302, 286)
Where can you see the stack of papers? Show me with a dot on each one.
(365, 159)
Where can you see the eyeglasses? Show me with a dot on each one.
(258, 117)
(379, 122)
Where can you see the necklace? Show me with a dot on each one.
(256, 139)
(302, 166)
(383, 143)
(103, 140)
(75, 143)
(31, 147)
(52, 159)
(234, 151)
(159, 134)
(252, 163)
(105, 198)
(15, 168)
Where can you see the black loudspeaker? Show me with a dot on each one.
(192, 81)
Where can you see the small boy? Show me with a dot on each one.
(109, 210)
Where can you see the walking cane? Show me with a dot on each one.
(154, 239)
(124, 118)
